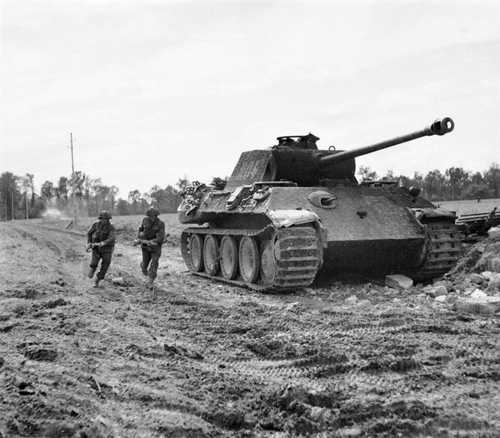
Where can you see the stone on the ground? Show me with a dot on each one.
(398, 281)
(351, 300)
(479, 302)
(478, 294)
(494, 232)
(444, 283)
(488, 274)
(364, 302)
(494, 282)
(118, 281)
(440, 298)
(320, 415)
(436, 291)
(494, 264)
(293, 306)
(475, 306)
(349, 432)
(476, 278)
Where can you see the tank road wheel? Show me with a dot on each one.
(249, 259)
(228, 257)
(196, 252)
(268, 264)
(211, 255)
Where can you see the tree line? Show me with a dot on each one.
(85, 195)
(79, 194)
(452, 184)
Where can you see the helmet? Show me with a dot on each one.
(104, 215)
(152, 212)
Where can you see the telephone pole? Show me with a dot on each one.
(72, 178)
(72, 161)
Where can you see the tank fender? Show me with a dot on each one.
(434, 214)
(288, 218)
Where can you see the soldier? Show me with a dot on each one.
(151, 235)
(101, 239)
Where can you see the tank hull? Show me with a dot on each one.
(360, 229)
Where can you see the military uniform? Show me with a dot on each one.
(152, 229)
(102, 233)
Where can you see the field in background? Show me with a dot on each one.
(126, 226)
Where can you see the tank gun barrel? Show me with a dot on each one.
(438, 127)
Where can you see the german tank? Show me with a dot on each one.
(293, 210)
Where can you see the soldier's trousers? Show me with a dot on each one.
(104, 255)
(150, 260)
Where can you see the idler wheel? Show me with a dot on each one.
(211, 255)
(196, 252)
(249, 259)
(229, 257)
(268, 266)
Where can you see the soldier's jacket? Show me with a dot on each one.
(152, 230)
(102, 232)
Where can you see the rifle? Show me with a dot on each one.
(92, 246)
(145, 242)
(137, 242)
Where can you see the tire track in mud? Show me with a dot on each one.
(39, 241)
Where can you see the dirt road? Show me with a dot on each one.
(208, 360)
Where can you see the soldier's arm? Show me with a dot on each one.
(140, 230)
(111, 238)
(89, 233)
(160, 235)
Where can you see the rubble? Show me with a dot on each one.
(118, 281)
(494, 233)
(435, 291)
(478, 294)
(476, 278)
(475, 306)
(351, 300)
(399, 281)
(494, 283)
(488, 275)
(494, 264)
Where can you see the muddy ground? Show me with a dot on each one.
(207, 360)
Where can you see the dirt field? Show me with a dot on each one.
(341, 359)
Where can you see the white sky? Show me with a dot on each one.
(155, 90)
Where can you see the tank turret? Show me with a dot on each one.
(296, 158)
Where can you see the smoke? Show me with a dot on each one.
(54, 213)
(66, 211)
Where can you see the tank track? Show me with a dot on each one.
(297, 253)
(443, 250)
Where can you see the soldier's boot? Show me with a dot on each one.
(150, 282)
(96, 282)
(91, 272)
(143, 269)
